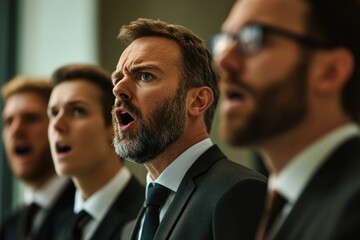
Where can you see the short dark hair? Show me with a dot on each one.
(93, 74)
(338, 22)
(22, 83)
(196, 62)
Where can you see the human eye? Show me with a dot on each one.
(144, 76)
(78, 111)
(52, 112)
(250, 39)
(7, 121)
(32, 118)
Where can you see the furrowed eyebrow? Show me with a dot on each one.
(141, 68)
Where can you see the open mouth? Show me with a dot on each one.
(62, 148)
(235, 95)
(125, 118)
(22, 150)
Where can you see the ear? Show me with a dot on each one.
(199, 100)
(332, 69)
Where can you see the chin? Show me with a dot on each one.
(63, 171)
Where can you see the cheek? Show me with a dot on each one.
(271, 66)
(41, 136)
(152, 102)
(5, 136)
(92, 138)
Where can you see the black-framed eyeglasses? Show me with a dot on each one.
(250, 39)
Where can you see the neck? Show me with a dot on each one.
(279, 151)
(95, 179)
(39, 183)
(157, 165)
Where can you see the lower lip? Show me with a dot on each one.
(23, 159)
(62, 156)
(124, 128)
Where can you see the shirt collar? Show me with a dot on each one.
(172, 176)
(97, 205)
(46, 195)
(293, 178)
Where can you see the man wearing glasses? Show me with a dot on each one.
(291, 89)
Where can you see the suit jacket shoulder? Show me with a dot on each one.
(217, 199)
(329, 207)
(11, 226)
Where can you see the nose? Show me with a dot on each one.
(122, 91)
(58, 123)
(17, 127)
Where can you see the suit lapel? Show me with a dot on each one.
(109, 224)
(186, 190)
(126, 204)
(305, 206)
(177, 206)
(63, 203)
(133, 230)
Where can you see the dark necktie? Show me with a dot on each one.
(156, 196)
(82, 219)
(274, 204)
(27, 221)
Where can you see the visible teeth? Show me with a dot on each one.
(126, 118)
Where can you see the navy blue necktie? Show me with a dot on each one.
(28, 220)
(156, 197)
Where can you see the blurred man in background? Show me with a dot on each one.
(81, 134)
(25, 124)
(291, 88)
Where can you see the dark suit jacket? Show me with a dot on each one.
(10, 228)
(217, 199)
(123, 210)
(329, 207)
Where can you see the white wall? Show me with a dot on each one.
(56, 32)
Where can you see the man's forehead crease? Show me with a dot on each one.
(129, 62)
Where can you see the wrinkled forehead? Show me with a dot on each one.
(149, 50)
(288, 14)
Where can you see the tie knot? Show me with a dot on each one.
(156, 195)
(32, 209)
(82, 218)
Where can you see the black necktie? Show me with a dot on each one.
(274, 205)
(27, 221)
(156, 196)
(82, 219)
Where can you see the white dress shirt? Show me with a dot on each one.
(292, 180)
(172, 176)
(99, 203)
